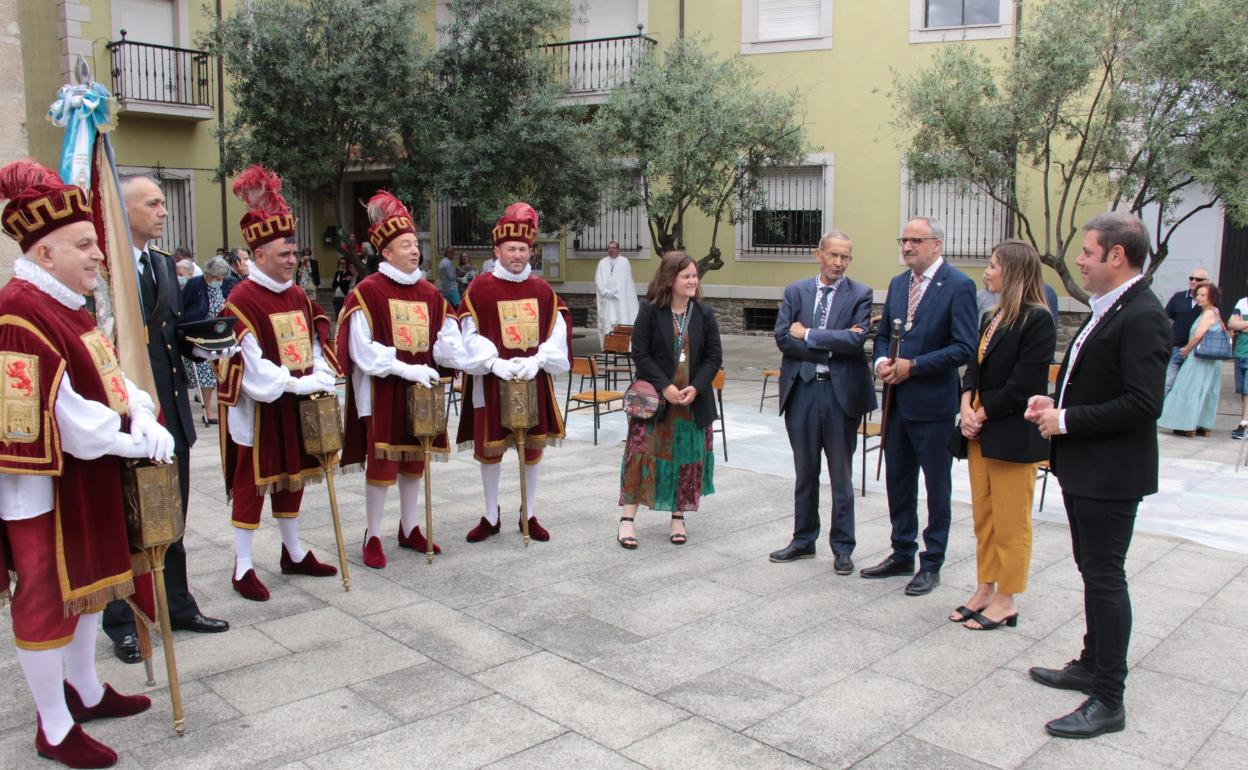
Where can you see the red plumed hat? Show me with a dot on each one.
(268, 218)
(390, 219)
(39, 202)
(518, 223)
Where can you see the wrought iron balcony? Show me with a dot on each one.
(594, 67)
(161, 79)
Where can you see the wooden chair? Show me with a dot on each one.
(454, 391)
(869, 430)
(617, 357)
(768, 374)
(599, 401)
(722, 430)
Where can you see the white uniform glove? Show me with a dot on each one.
(128, 445)
(527, 368)
(204, 354)
(419, 373)
(317, 382)
(157, 441)
(504, 370)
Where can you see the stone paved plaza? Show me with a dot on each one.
(578, 654)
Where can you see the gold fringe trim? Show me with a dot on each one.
(139, 564)
(96, 600)
(407, 455)
(289, 484)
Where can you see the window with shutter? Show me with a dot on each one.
(788, 19)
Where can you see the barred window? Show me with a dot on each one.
(180, 224)
(625, 226)
(961, 13)
(973, 221)
(790, 218)
(301, 207)
(460, 228)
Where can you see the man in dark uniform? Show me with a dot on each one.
(162, 310)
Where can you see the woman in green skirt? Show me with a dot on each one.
(669, 460)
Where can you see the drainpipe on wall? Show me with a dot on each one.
(225, 233)
(681, 27)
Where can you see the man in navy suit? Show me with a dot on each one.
(825, 389)
(936, 306)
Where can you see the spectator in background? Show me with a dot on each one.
(448, 284)
(1182, 311)
(344, 279)
(183, 254)
(239, 263)
(1192, 403)
(315, 265)
(1238, 324)
(465, 272)
(202, 297)
(305, 274)
(185, 271)
(487, 266)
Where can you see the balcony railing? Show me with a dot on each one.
(161, 74)
(596, 66)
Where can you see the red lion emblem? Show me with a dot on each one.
(529, 310)
(119, 389)
(404, 335)
(291, 351)
(419, 313)
(513, 334)
(299, 324)
(20, 377)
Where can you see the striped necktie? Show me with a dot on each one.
(916, 294)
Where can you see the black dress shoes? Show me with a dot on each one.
(793, 552)
(842, 564)
(922, 583)
(1091, 719)
(1072, 676)
(890, 567)
(127, 649)
(200, 624)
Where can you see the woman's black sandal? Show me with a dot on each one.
(627, 542)
(679, 538)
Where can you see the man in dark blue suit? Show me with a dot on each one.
(825, 389)
(936, 306)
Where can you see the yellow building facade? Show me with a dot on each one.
(841, 56)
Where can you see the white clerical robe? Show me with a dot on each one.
(617, 294)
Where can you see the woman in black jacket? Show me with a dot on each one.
(1016, 347)
(669, 460)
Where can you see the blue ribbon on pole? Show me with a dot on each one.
(83, 111)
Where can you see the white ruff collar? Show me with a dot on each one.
(398, 276)
(267, 282)
(507, 275)
(28, 271)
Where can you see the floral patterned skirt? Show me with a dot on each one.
(668, 464)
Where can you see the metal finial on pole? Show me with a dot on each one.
(82, 71)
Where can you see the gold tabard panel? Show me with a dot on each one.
(294, 343)
(20, 415)
(409, 324)
(105, 360)
(519, 320)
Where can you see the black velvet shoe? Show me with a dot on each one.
(842, 564)
(922, 583)
(1091, 719)
(792, 552)
(890, 567)
(1072, 676)
(127, 649)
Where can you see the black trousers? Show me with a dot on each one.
(118, 617)
(819, 430)
(1100, 533)
(914, 445)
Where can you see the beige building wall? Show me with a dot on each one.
(13, 141)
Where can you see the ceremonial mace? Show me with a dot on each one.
(518, 402)
(153, 505)
(321, 424)
(426, 408)
(894, 348)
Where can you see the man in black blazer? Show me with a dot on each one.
(937, 309)
(1103, 449)
(825, 389)
(162, 311)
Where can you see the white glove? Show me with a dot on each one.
(320, 365)
(128, 445)
(204, 354)
(527, 368)
(317, 382)
(419, 373)
(158, 441)
(503, 370)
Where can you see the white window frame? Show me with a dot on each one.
(1004, 28)
(751, 44)
(828, 161)
(185, 176)
(903, 216)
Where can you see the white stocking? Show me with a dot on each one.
(530, 488)
(43, 675)
(242, 551)
(290, 538)
(490, 474)
(374, 508)
(409, 503)
(80, 660)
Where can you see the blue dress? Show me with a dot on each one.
(1193, 401)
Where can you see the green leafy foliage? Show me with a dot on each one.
(699, 133)
(1135, 102)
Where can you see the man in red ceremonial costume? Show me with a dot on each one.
(284, 340)
(68, 414)
(514, 326)
(386, 339)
